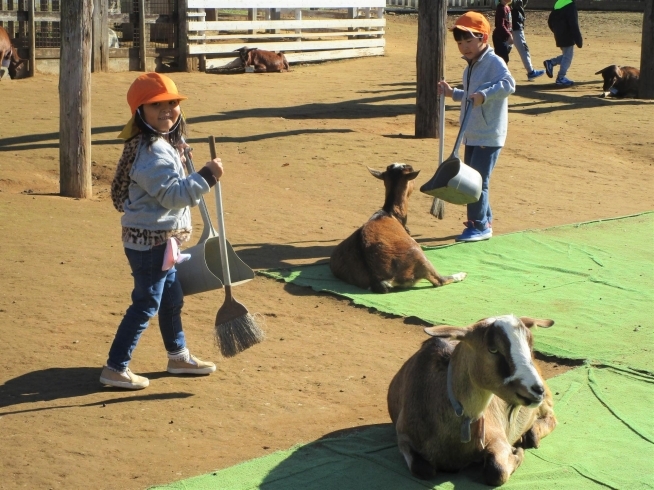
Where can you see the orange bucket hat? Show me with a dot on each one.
(147, 89)
(473, 22)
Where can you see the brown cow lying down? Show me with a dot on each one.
(263, 61)
(620, 81)
(9, 59)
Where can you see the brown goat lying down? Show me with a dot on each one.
(471, 394)
(263, 61)
(620, 81)
(381, 254)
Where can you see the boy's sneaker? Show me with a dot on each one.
(472, 234)
(534, 74)
(549, 68)
(127, 379)
(191, 365)
(564, 82)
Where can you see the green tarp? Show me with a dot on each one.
(605, 439)
(595, 279)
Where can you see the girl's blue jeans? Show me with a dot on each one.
(482, 159)
(155, 291)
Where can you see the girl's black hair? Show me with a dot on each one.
(462, 34)
(175, 137)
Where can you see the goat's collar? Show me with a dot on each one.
(466, 435)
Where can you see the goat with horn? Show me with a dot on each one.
(381, 254)
(472, 394)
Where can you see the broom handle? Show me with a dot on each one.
(227, 281)
(204, 211)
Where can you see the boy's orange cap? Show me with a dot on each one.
(147, 89)
(473, 22)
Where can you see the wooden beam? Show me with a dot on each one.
(218, 63)
(283, 4)
(32, 43)
(290, 46)
(243, 25)
(100, 60)
(143, 41)
(184, 61)
(75, 99)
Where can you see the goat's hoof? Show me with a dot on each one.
(459, 276)
(530, 440)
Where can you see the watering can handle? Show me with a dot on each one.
(209, 230)
(464, 123)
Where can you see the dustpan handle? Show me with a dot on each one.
(222, 239)
(204, 211)
(441, 129)
(464, 123)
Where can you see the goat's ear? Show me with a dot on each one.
(447, 332)
(539, 322)
(413, 175)
(376, 173)
(618, 71)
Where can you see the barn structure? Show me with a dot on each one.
(187, 35)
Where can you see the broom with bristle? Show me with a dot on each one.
(236, 329)
(438, 205)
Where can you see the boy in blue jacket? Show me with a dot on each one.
(487, 83)
(564, 23)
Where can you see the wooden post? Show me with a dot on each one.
(252, 16)
(100, 60)
(184, 61)
(75, 99)
(646, 81)
(32, 33)
(430, 65)
(275, 14)
(143, 39)
(298, 16)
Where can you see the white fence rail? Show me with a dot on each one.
(305, 30)
(461, 4)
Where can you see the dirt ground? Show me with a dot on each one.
(295, 147)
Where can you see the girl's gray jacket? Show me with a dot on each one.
(487, 124)
(159, 192)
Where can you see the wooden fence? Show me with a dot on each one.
(615, 5)
(169, 35)
(306, 30)
(451, 4)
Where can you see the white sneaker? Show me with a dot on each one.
(126, 379)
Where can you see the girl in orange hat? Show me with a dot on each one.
(154, 194)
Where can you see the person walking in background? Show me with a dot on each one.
(518, 25)
(154, 194)
(487, 84)
(564, 23)
(502, 35)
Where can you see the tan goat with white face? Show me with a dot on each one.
(381, 254)
(480, 397)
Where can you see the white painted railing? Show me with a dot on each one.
(462, 4)
(306, 30)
